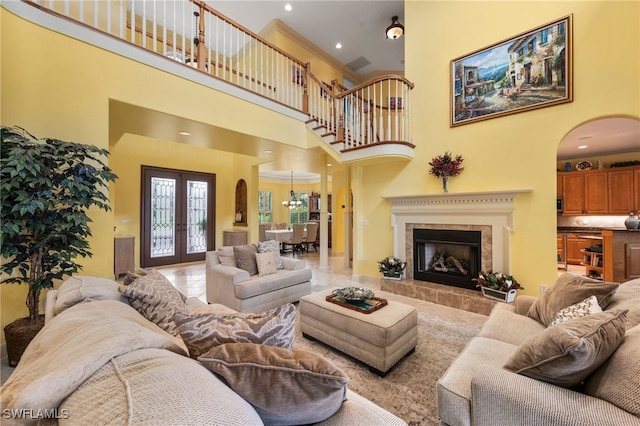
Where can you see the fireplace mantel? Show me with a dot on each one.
(491, 200)
(492, 208)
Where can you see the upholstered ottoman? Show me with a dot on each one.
(379, 339)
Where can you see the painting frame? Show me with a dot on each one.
(531, 70)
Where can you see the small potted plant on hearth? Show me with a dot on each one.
(391, 268)
(498, 286)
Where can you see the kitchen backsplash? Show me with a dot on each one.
(592, 221)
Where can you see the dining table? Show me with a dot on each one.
(279, 235)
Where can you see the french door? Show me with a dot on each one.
(178, 216)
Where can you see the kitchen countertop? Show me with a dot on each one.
(589, 229)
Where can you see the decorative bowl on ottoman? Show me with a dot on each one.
(353, 293)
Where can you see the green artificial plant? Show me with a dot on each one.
(47, 186)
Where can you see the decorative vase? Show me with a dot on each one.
(633, 222)
(445, 183)
(238, 217)
(502, 296)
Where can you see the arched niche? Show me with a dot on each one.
(241, 203)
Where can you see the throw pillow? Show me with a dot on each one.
(272, 246)
(618, 379)
(568, 290)
(132, 276)
(202, 331)
(156, 299)
(266, 263)
(246, 257)
(285, 386)
(226, 256)
(586, 307)
(569, 352)
(78, 288)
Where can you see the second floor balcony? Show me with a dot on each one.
(369, 120)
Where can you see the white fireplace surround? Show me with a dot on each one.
(494, 209)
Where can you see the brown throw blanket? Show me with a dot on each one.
(75, 344)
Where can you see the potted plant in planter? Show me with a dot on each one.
(498, 286)
(391, 268)
(47, 186)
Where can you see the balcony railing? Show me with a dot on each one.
(192, 33)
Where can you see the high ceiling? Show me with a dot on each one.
(358, 25)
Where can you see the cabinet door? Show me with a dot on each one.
(620, 191)
(574, 249)
(573, 193)
(636, 189)
(559, 185)
(596, 193)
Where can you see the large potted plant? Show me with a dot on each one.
(47, 186)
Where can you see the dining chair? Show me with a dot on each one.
(281, 225)
(310, 238)
(296, 240)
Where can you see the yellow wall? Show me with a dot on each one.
(513, 152)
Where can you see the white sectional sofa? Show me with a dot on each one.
(99, 361)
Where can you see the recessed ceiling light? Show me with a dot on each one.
(339, 46)
(268, 151)
(183, 133)
(583, 146)
(329, 164)
(288, 7)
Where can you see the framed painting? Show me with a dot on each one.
(529, 71)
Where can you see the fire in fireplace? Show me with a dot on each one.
(444, 256)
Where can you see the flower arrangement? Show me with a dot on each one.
(391, 265)
(446, 165)
(497, 281)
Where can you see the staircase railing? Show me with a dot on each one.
(192, 33)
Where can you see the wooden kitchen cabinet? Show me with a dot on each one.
(621, 255)
(621, 191)
(575, 247)
(573, 193)
(636, 189)
(596, 195)
(613, 191)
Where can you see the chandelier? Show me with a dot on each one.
(292, 203)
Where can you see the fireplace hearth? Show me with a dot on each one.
(447, 256)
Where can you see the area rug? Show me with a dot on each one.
(409, 389)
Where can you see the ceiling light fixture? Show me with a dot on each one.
(339, 46)
(268, 151)
(583, 146)
(183, 133)
(395, 30)
(292, 203)
(288, 7)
